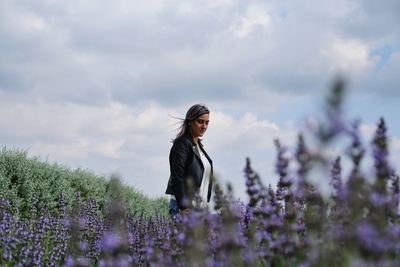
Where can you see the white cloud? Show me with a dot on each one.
(135, 142)
(367, 131)
(231, 140)
(394, 149)
(255, 16)
(348, 56)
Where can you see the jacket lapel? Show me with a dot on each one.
(196, 151)
(194, 146)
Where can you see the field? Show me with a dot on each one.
(52, 216)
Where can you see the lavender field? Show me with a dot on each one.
(292, 223)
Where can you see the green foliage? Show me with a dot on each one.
(31, 181)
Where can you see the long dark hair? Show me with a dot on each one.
(193, 113)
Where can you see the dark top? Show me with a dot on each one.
(186, 170)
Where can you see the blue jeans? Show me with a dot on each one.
(173, 209)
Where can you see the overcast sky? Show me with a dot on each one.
(95, 84)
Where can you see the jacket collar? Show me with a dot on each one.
(195, 149)
(194, 145)
(190, 138)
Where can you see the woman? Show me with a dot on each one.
(190, 166)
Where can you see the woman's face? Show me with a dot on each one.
(199, 125)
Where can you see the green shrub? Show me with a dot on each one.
(33, 183)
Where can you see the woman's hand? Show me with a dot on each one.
(185, 212)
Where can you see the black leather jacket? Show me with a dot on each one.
(185, 163)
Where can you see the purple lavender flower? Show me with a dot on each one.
(370, 239)
(380, 152)
(378, 200)
(110, 242)
(251, 184)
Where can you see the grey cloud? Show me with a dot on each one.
(376, 19)
(173, 52)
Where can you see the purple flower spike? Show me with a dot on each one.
(370, 239)
(109, 242)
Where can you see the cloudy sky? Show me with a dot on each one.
(95, 84)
